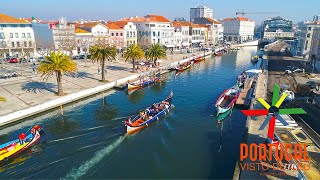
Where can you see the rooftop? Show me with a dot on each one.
(6, 19)
(238, 19)
(148, 18)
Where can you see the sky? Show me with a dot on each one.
(295, 10)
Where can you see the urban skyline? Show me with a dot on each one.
(116, 10)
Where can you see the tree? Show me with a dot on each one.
(101, 53)
(134, 52)
(2, 99)
(155, 52)
(58, 64)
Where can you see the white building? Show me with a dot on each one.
(182, 29)
(215, 29)
(64, 36)
(200, 12)
(238, 29)
(16, 37)
(153, 29)
(308, 32)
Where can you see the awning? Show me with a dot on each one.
(185, 44)
(169, 45)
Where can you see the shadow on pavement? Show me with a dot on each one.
(36, 87)
(118, 68)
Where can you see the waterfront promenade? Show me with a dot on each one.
(30, 89)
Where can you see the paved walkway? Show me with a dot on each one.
(31, 89)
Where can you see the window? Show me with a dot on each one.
(11, 35)
(30, 44)
(22, 25)
(306, 45)
(18, 44)
(134, 34)
(25, 44)
(29, 35)
(130, 33)
(121, 34)
(154, 33)
(308, 35)
(127, 34)
(16, 35)
(158, 33)
(309, 28)
(14, 25)
(112, 34)
(1, 35)
(117, 34)
(3, 25)
(12, 44)
(23, 35)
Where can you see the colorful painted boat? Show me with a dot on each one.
(227, 100)
(184, 67)
(12, 148)
(199, 59)
(142, 83)
(255, 59)
(218, 53)
(241, 79)
(221, 117)
(148, 116)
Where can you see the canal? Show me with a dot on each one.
(87, 142)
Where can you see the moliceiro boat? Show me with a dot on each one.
(15, 147)
(196, 60)
(227, 100)
(183, 67)
(143, 82)
(149, 115)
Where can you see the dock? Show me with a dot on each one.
(246, 93)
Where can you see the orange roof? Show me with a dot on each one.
(5, 19)
(148, 18)
(213, 21)
(184, 23)
(238, 19)
(87, 25)
(112, 26)
(79, 30)
(156, 18)
(121, 24)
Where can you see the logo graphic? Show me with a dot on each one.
(273, 111)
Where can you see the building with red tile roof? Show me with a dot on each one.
(238, 29)
(215, 30)
(16, 37)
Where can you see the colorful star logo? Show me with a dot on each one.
(273, 111)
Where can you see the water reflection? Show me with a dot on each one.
(63, 125)
(136, 96)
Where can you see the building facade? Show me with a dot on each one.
(238, 29)
(64, 36)
(130, 32)
(116, 36)
(215, 30)
(16, 37)
(277, 28)
(200, 12)
(153, 29)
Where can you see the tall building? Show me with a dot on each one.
(239, 29)
(277, 27)
(16, 37)
(308, 38)
(200, 12)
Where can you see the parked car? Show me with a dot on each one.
(75, 57)
(40, 59)
(13, 60)
(82, 56)
(32, 59)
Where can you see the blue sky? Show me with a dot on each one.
(296, 10)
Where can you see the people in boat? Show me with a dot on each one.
(22, 138)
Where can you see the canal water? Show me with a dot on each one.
(88, 142)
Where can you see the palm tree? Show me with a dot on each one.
(58, 64)
(134, 52)
(2, 99)
(155, 52)
(102, 53)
